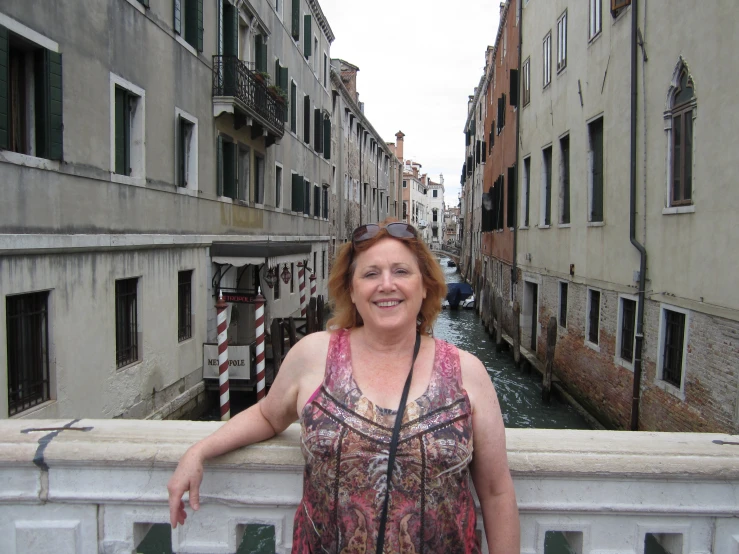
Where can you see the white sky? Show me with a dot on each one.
(419, 60)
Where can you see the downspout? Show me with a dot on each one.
(632, 231)
(361, 184)
(514, 266)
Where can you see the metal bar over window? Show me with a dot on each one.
(673, 352)
(126, 322)
(28, 351)
(184, 303)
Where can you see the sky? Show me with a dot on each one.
(419, 61)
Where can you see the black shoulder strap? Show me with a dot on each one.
(394, 448)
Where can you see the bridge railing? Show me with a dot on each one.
(100, 485)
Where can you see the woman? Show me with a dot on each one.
(345, 386)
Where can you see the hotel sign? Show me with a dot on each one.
(239, 366)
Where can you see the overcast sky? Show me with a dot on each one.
(419, 60)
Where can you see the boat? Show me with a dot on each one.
(468, 303)
(456, 293)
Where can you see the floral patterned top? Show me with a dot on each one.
(346, 441)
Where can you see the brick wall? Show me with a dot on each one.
(708, 402)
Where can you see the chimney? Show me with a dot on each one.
(399, 150)
(349, 78)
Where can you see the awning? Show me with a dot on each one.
(239, 254)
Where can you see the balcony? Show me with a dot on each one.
(100, 485)
(239, 90)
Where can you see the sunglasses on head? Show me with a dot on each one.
(398, 230)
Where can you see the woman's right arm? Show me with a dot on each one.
(260, 422)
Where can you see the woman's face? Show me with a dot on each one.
(387, 287)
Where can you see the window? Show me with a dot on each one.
(316, 57)
(595, 21)
(318, 130)
(323, 264)
(511, 197)
(295, 23)
(292, 278)
(563, 290)
(626, 329)
(546, 179)
(562, 41)
(316, 204)
(672, 345)
(28, 350)
(306, 196)
(188, 22)
(306, 119)
(405, 184)
(596, 170)
(435, 193)
(258, 179)
(526, 81)
(31, 87)
(243, 173)
(547, 55)
(293, 107)
(128, 154)
(593, 316)
(564, 177)
(679, 126)
(526, 190)
(184, 305)
(278, 186)
(278, 8)
(306, 36)
(324, 202)
(126, 322)
(186, 155)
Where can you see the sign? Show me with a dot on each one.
(239, 362)
(237, 297)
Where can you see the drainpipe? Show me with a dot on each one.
(514, 266)
(632, 231)
(361, 184)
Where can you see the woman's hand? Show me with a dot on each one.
(187, 477)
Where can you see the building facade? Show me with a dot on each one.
(436, 209)
(137, 186)
(591, 195)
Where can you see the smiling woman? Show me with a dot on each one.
(379, 479)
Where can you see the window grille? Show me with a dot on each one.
(184, 304)
(594, 319)
(28, 351)
(672, 365)
(126, 322)
(563, 290)
(628, 320)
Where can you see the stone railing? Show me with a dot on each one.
(100, 485)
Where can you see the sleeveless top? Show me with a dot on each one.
(346, 441)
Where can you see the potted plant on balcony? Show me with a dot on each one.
(262, 77)
(276, 92)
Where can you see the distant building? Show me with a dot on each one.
(436, 211)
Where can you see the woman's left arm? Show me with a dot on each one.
(490, 472)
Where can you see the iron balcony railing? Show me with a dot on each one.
(233, 77)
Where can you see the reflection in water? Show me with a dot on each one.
(519, 392)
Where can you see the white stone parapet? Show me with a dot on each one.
(98, 485)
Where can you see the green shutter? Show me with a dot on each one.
(264, 53)
(219, 165)
(178, 16)
(230, 30)
(229, 169)
(193, 22)
(297, 196)
(306, 197)
(296, 20)
(4, 124)
(284, 84)
(317, 131)
(307, 44)
(260, 54)
(54, 122)
(327, 139)
(200, 26)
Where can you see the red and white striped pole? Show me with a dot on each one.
(301, 283)
(223, 382)
(313, 285)
(261, 381)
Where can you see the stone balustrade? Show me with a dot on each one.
(98, 486)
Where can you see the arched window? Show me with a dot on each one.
(679, 117)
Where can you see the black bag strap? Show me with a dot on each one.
(394, 447)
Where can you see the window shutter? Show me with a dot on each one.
(484, 152)
(297, 196)
(306, 119)
(54, 98)
(178, 16)
(4, 96)
(277, 72)
(492, 134)
(307, 46)
(502, 117)
(120, 134)
(317, 131)
(296, 20)
(283, 79)
(219, 165)
(200, 26)
(258, 56)
(229, 169)
(264, 54)
(514, 87)
(512, 196)
(316, 202)
(306, 196)
(477, 152)
(327, 139)
(230, 30)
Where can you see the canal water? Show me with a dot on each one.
(519, 394)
